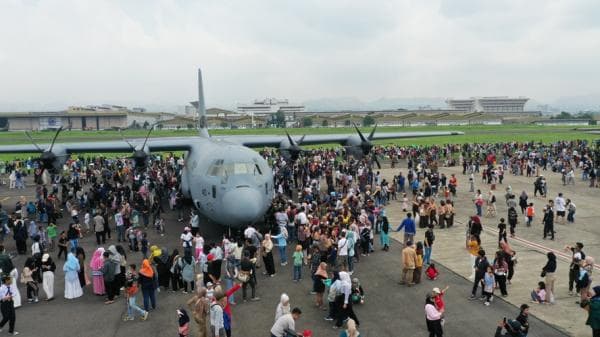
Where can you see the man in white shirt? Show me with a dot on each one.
(286, 322)
(186, 239)
(560, 205)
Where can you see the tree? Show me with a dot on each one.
(146, 125)
(347, 122)
(279, 119)
(159, 126)
(190, 126)
(325, 123)
(307, 122)
(224, 125)
(368, 120)
(134, 125)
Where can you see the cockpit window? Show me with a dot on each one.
(220, 169)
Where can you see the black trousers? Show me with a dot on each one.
(476, 283)
(549, 229)
(252, 284)
(269, 263)
(342, 313)
(573, 275)
(110, 287)
(501, 279)
(100, 237)
(8, 315)
(435, 328)
(61, 250)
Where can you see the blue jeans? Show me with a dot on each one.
(132, 307)
(427, 255)
(478, 207)
(297, 272)
(121, 233)
(229, 285)
(74, 244)
(282, 254)
(149, 298)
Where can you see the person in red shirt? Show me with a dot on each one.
(432, 272)
(438, 298)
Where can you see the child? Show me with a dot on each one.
(530, 212)
(184, 323)
(62, 244)
(144, 244)
(489, 282)
(538, 295)
(432, 272)
(133, 246)
(438, 298)
(357, 292)
(131, 292)
(298, 257)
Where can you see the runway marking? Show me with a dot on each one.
(539, 247)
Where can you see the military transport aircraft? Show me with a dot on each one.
(227, 181)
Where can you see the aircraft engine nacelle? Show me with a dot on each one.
(54, 160)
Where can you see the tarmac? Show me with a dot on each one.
(389, 310)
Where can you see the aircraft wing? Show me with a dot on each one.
(274, 141)
(153, 144)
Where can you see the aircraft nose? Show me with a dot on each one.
(245, 204)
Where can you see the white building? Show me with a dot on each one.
(269, 106)
(498, 104)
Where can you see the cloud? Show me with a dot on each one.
(57, 53)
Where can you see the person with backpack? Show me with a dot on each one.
(131, 290)
(513, 219)
(186, 264)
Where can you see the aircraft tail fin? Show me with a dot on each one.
(202, 126)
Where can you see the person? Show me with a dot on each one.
(28, 278)
(409, 228)
(419, 263)
(7, 306)
(481, 266)
(548, 272)
(48, 268)
(577, 256)
(217, 324)
(319, 278)
(247, 277)
(523, 318)
(351, 330)
(473, 247)
(267, 252)
(500, 272)
(530, 213)
(433, 317)
(488, 284)
(72, 285)
(343, 301)
(513, 328)
(131, 290)
(592, 306)
(432, 272)
(571, 208)
(548, 221)
(186, 265)
(560, 204)
(384, 237)
(183, 321)
(108, 274)
(513, 219)
(358, 293)
(428, 244)
(147, 280)
(283, 307)
(286, 324)
(281, 244)
(200, 306)
(62, 244)
(298, 257)
(96, 265)
(409, 261)
(538, 295)
(502, 230)
(438, 298)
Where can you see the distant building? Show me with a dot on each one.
(74, 118)
(500, 104)
(269, 106)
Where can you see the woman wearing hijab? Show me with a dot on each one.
(343, 302)
(48, 268)
(83, 278)
(267, 251)
(187, 264)
(96, 266)
(148, 284)
(72, 285)
(160, 259)
(184, 322)
(318, 284)
(351, 330)
(175, 270)
(283, 307)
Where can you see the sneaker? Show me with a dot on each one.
(486, 303)
(472, 297)
(127, 318)
(145, 316)
(313, 293)
(15, 333)
(255, 299)
(328, 318)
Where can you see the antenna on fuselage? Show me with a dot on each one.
(202, 127)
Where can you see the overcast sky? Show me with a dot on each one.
(147, 52)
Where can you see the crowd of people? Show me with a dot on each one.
(338, 212)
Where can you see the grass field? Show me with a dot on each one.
(473, 134)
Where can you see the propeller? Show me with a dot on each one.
(139, 155)
(366, 145)
(294, 149)
(47, 157)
